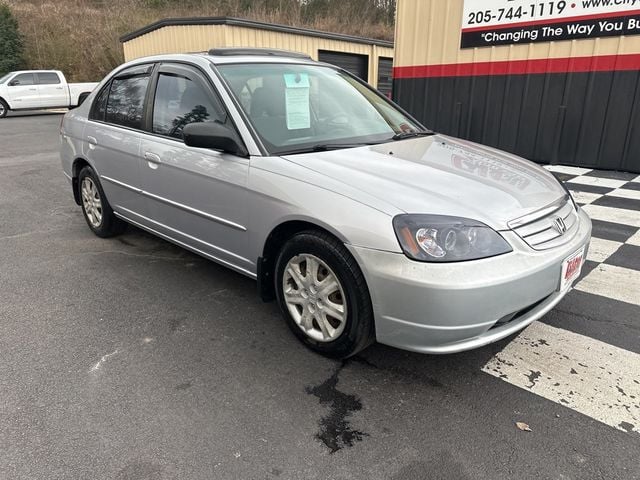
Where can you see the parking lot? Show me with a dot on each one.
(131, 358)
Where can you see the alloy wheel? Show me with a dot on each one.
(91, 202)
(315, 298)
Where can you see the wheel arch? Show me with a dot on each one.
(272, 245)
(6, 102)
(77, 165)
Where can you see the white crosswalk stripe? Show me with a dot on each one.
(589, 376)
(610, 281)
(599, 182)
(568, 170)
(615, 215)
(601, 249)
(584, 198)
(622, 193)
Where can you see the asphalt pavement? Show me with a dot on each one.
(131, 358)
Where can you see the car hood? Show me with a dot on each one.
(441, 175)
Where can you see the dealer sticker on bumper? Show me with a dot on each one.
(571, 269)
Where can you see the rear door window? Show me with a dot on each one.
(48, 78)
(182, 99)
(125, 105)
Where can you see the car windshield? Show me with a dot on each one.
(4, 79)
(295, 108)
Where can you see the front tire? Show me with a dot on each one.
(323, 295)
(4, 108)
(95, 207)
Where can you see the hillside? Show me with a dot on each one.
(80, 37)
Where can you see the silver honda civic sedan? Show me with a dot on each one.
(362, 224)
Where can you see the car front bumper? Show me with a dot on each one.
(448, 308)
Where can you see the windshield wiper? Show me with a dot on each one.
(325, 147)
(405, 135)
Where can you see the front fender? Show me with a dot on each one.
(276, 199)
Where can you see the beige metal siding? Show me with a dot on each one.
(197, 38)
(175, 39)
(428, 33)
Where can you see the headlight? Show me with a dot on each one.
(435, 238)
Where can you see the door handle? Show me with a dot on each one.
(152, 159)
(58, 88)
(33, 89)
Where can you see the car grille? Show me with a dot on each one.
(540, 229)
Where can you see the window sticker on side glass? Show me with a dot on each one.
(297, 101)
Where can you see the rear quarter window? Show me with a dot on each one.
(99, 107)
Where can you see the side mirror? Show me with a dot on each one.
(14, 83)
(215, 136)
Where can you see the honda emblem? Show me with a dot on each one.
(559, 225)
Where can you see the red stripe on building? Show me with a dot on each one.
(599, 63)
(549, 21)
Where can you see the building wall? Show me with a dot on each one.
(198, 38)
(573, 102)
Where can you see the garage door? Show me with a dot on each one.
(356, 64)
(385, 67)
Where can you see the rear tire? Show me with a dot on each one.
(323, 295)
(95, 207)
(4, 108)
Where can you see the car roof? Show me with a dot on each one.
(204, 58)
(34, 71)
(259, 52)
(223, 56)
(258, 59)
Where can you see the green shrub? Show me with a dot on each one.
(10, 42)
